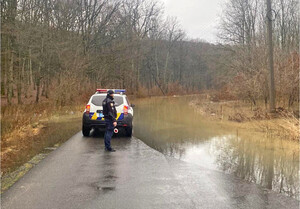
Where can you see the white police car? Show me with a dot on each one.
(93, 116)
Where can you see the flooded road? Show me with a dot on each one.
(80, 174)
(170, 126)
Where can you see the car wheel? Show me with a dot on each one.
(86, 131)
(128, 131)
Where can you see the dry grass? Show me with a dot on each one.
(286, 126)
(290, 127)
(283, 124)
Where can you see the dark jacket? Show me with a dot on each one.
(109, 109)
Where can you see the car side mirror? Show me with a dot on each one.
(132, 105)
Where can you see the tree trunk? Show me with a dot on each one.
(10, 80)
(156, 64)
(44, 88)
(47, 88)
(4, 75)
(166, 67)
(19, 84)
(132, 69)
(30, 70)
(27, 82)
(38, 82)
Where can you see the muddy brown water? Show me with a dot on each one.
(172, 127)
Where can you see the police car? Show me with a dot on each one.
(93, 116)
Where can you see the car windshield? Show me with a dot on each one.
(98, 99)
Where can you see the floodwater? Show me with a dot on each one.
(172, 127)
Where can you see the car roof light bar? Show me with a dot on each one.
(116, 91)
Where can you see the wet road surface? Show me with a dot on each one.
(80, 174)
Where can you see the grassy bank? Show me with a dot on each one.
(283, 124)
(19, 157)
(28, 129)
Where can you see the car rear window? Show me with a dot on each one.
(98, 99)
(118, 100)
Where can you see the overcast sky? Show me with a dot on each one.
(198, 18)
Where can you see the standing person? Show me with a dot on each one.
(110, 115)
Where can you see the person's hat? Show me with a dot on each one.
(110, 92)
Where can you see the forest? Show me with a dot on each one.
(61, 51)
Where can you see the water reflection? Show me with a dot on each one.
(173, 128)
(271, 163)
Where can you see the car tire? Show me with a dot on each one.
(128, 131)
(86, 131)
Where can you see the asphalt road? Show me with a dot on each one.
(80, 174)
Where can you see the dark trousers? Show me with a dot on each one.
(108, 133)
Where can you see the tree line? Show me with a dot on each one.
(61, 49)
(244, 27)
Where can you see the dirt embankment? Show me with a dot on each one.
(283, 123)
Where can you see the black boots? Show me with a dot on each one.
(110, 150)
